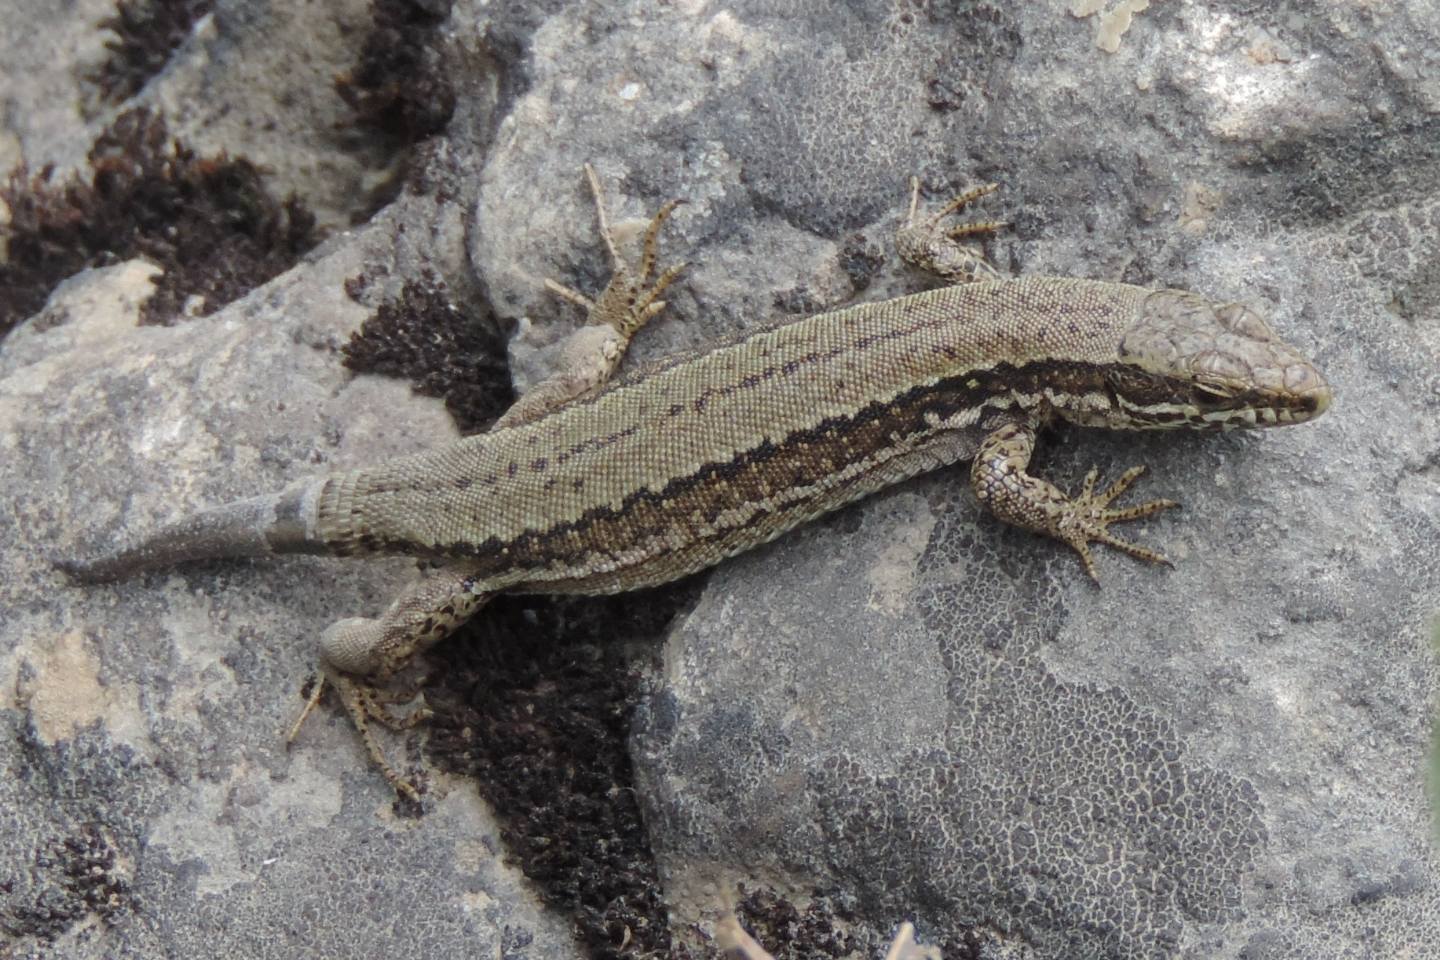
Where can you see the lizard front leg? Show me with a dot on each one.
(998, 474)
(629, 301)
(359, 655)
(1000, 481)
(935, 248)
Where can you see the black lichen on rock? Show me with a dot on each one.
(1080, 821)
(208, 222)
(805, 134)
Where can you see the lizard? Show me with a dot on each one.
(593, 483)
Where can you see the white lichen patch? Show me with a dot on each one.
(1250, 100)
(60, 686)
(1112, 24)
(892, 578)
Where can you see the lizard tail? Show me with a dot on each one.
(258, 527)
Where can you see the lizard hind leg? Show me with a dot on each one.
(928, 244)
(359, 656)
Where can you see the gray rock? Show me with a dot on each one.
(149, 805)
(147, 719)
(943, 718)
(46, 105)
(906, 706)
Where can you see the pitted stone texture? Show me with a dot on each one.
(1066, 814)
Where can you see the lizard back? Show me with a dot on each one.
(676, 466)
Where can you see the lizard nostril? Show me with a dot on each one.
(1302, 378)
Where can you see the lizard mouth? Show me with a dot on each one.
(1301, 395)
(1292, 394)
(1310, 390)
(1264, 410)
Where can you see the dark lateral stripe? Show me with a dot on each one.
(760, 483)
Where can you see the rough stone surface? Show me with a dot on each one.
(149, 807)
(149, 716)
(945, 718)
(905, 709)
(46, 101)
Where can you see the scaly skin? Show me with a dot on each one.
(591, 486)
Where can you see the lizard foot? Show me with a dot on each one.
(360, 656)
(630, 300)
(1086, 518)
(936, 248)
(365, 703)
(1001, 482)
(593, 353)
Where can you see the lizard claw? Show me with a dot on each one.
(935, 248)
(364, 703)
(630, 300)
(1087, 518)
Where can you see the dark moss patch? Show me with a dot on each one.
(146, 34)
(534, 704)
(444, 352)
(828, 926)
(788, 933)
(84, 882)
(400, 87)
(862, 260)
(208, 222)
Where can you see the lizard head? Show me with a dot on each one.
(1189, 362)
